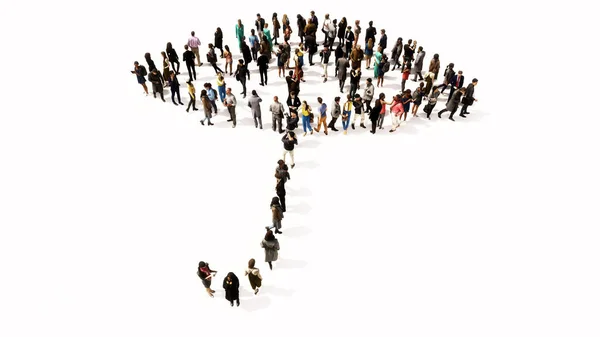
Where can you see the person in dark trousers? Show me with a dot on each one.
(174, 84)
(188, 58)
(432, 101)
(293, 83)
(254, 276)
(336, 111)
(311, 48)
(241, 72)
(206, 274)
(448, 75)
(349, 37)
(230, 103)
(368, 95)
(370, 33)
(263, 66)
(211, 56)
(151, 65)
(468, 99)
(292, 122)
(383, 41)
(409, 53)
(293, 103)
(354, 81)
(375, 112)
(219, 40)
(419, 64)
(254, 105)
(231, 284)
(271, 246)
(456, 82)
(140, 72)
(277, 111)
(246, 53)
(339, 53)
(157, 83)
(192, 92)
(277, 212)
(289, 141)
(280, 189)
(173, 58)
(452, 104)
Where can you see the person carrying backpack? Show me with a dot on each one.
(140, 71)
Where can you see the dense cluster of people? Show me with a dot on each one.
(340, 40)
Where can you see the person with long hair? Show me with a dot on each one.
(206, 274)
(219, 40)
(406, 100)
(383, 66)
(271, 247)
(173, 58)
(151, 65)
(254, 276)
(432, 101)
(418, 98)
(140, 72)
(383, 104)
(207, 107)
(305, 110)
(368, 53)
(378, 57)
(212, 58)
(289, 141)
(277, 213)
(166, 68)
(221, 86)
(228, 60)
(231, 284)
(342, 30)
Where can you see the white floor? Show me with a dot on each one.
(422, 232)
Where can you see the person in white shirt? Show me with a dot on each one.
(230, 103)
(194, 44)
(329, 31)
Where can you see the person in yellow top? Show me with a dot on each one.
(192, 91)
(346, 112)
(305, 110)
(221, 86)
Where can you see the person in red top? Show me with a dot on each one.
(396, 111)
(405, 74)
(206, 275)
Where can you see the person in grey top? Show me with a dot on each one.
(419, 64)
(230, 103)
(254, 105)
(368, 94)
(277, 111)
(432, 101)
(342, 71)
(336, 110)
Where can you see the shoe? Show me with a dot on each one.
(231, 303)
(238, 303)
(195, 109)
(187, 110)
(229, 120)
(262, 84)
(311, 132)
(452, 119)
(463, 116)
(373, 132)
(293, 165)
(304, 135)
(466, 113)
(256, 291)
(233, 125)
(362, 126)
(278, 232)
(260, 127)
(174, 103)
(326, 133)
(180, 103)
(353, 128)
(345, 132)
(439, 115)
(202, 122)
(334, 129)
(209, 124)
(392, 130)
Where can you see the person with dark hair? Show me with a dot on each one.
(206, 274)
(166, 68)
(383, 104)
(419, 64)
(289, 141)
(188, 58)
(276, 28)
(406, 99)
(358, 110)
(281, 171)
(207, 107)
(277, 212)
(336, 111)
(267, 36)
(263, 66)
(354, 80)
(260, 25)
(230, 103)
(293, 83)
(383, 40)
(151, 65)
(322, 116)
(254, 105)
(452, 104)
(173, 57)
(254, 44)
(241, 72)
(231, 284)
(342, 71)
(368, 94)
(277, 111)
(293, 102)
(301, 23)
(408, 55)
(396, 111)
(370, 33)
(405, 76)
(448, 75)
(396, 53)
(254, 276)
(375, 112)
(431, 101)
(219, 40)
(246, 53)
(157, 83)
(212, 96)
(228, 60)
(271, 246)
(140, 72)
(456, 82)
(192, 92)
(349, 37)
(417, 98)
(194, 44)
(325, 55)
(434, 65)
(211, 56)
(174, 84)
(468, 99)
(346, 112)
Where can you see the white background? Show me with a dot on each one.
(109, 199)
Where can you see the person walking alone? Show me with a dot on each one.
(322, 116)
(271, 247)
(174, 84)
(254, 276)
(188, 58)
(192, 92)
(277, 111)
(230, 103)
(277, 213)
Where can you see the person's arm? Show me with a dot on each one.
(234, 101)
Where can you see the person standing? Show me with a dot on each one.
(206, 274)
(349, 38)
(219, 41)
(293, 102)
(417, 98)
(306, 112)
(221, 87)
(140, 72)
(239, 32)
(368, 94)
(157, 83)
(212, 96)
(374, 114)
(231, 284)
(468, 99)
(151, 65)
(419, 64)
(336, 111)
(254, 44)
(342, 25)
(174, 84)
(382, 110)
(192, 92)
(292, 122)
(276, 28)
(322, 116)
(228, 60)
(456, 82)
(289, 141)
(429, 82)
(246, 53)
(277, 215)
(358, 110)
(166, 68)
(354, 81)
(452, 104)
(271, 246)
(254, 276)
(434, 65)
(230, 103)
(254, 105)
(188, 58)
(431, 101)
(396, 53)
(325, 54)
(406, 99)
(369, 53)
(370, 34)
(260, 25)
(263, 66)
(267, 35)
(409, 53)
(301, 23)
(346, 113)
(342, 71)
(206, 106)
(383, 40)
(277, 110)
(240, 74)
(194, 44)
(280, 189)
(396, 111)
(405, 75)
(173, 58)
(378, 57)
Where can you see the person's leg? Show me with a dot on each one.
(255, 118)
(270, 265)
(292, 157)
(304, 123)
(452, 113)
(373, 126)
(273, 123)
(441, 112)
(260, 121)
(173, 96)
(463, 111)
(233, 117)
(189, 104)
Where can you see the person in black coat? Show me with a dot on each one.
(246, 52)
(339, 53)
(342, 30)
(289, 140)
(383, 40)
(157, 83)
(282, 171)
(240, 74)
(409, 53)
(174, 85)
(452, 104)
(188, 58)
(374, 114)
(231, 284)
(370, 33)
(292, 122)
(173, 57)
(293, 102)
(349, 40)
(263, 66)
(468, 99)
(456, 82)
(311, 46)
(301, 22)
(219, 40)
(151, 65)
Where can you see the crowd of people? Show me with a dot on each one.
(261, 46)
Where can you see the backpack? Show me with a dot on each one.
(143, 71)
(214, 92)
(211, 56)
(386, 67)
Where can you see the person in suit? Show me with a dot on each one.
(342, 70)
(240, 74)
(188, 58)
(254, 105)
(173, 57)
(293, 102)
(468, 99)
(452, 104)
(383, 40)
(277, 111)
(349, 37)
(174, 84)
(370, 33)
(260, 25)
(456, 82)
(157, 83)
(419, 64)
(263, 66)
(448, 75)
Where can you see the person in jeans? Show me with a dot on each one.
(188, 58)
(174, 84)
(254, 105)
(230, 103)
(336, 110)
(305, 110)
(289, 140)
(346, 113)
(221, 87)
(277, 110)
(206, 106)
(322, 116)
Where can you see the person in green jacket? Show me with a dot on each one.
(239, 32)
(267, 34)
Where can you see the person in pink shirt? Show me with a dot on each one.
(396, 111)
(194, 44)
